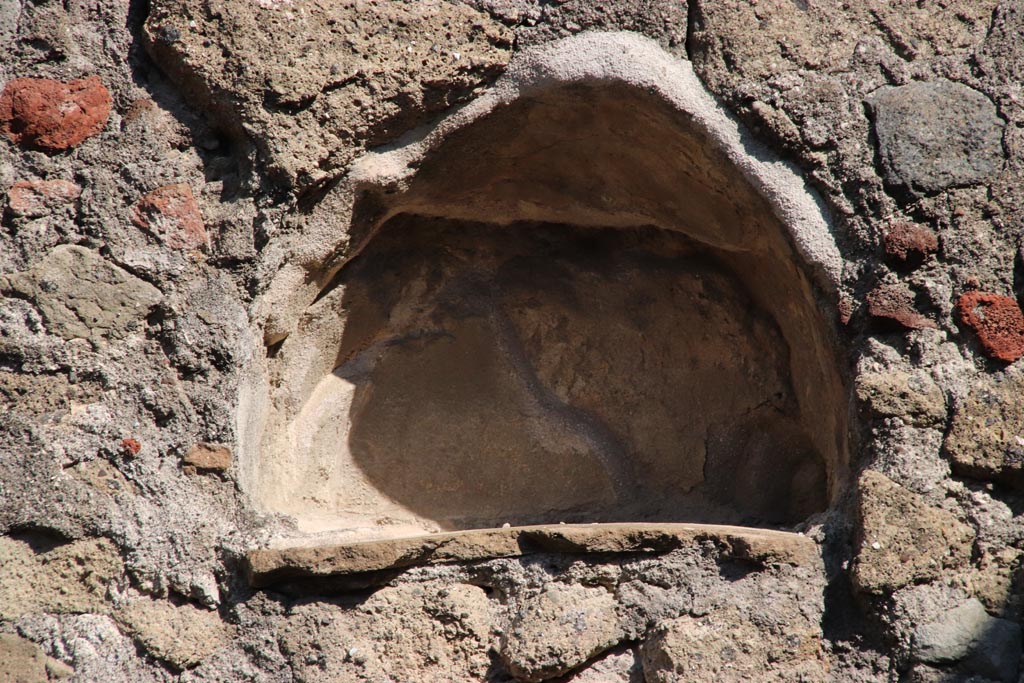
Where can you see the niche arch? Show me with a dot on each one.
(587, 296)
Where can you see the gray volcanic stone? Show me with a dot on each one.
(936, 135)
(560, 629)
(82, 295)
(989, 646)
(1001, 57)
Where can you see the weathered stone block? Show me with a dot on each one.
(560, 629)
(181, 635)
(727, 646)
(428, 631)
(986, 436)
(82, 295)
(901, 539)
(361, 74)
(21, 661)
(914, 397)
(63, 578)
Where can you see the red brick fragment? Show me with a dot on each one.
(909, 242)
(206, 456)
(42, 113)
(171, 213)
(131, 446)
(35, 198)
(997, 321)
(895, 304)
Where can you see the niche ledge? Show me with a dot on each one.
(372, 559)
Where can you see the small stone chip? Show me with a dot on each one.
(893, 305)
(910, 243)
(209, 457)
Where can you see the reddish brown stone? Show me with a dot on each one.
(909, 242)
(171, 213)
(139, 108)
(845, 308)
(205, 456)
(34, 198)
(998, 322)
(131, 446)
(52, 115)
(894, 304)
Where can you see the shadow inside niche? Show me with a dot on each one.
(543, 373)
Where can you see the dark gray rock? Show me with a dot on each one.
(997, 651)
(935, 135)
(984, 644)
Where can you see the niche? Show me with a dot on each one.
(576, 306)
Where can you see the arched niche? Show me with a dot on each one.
(585, 297)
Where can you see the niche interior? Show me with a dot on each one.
(576, 310)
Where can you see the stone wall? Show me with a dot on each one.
(180, 181)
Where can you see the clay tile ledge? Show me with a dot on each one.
(269, 566)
